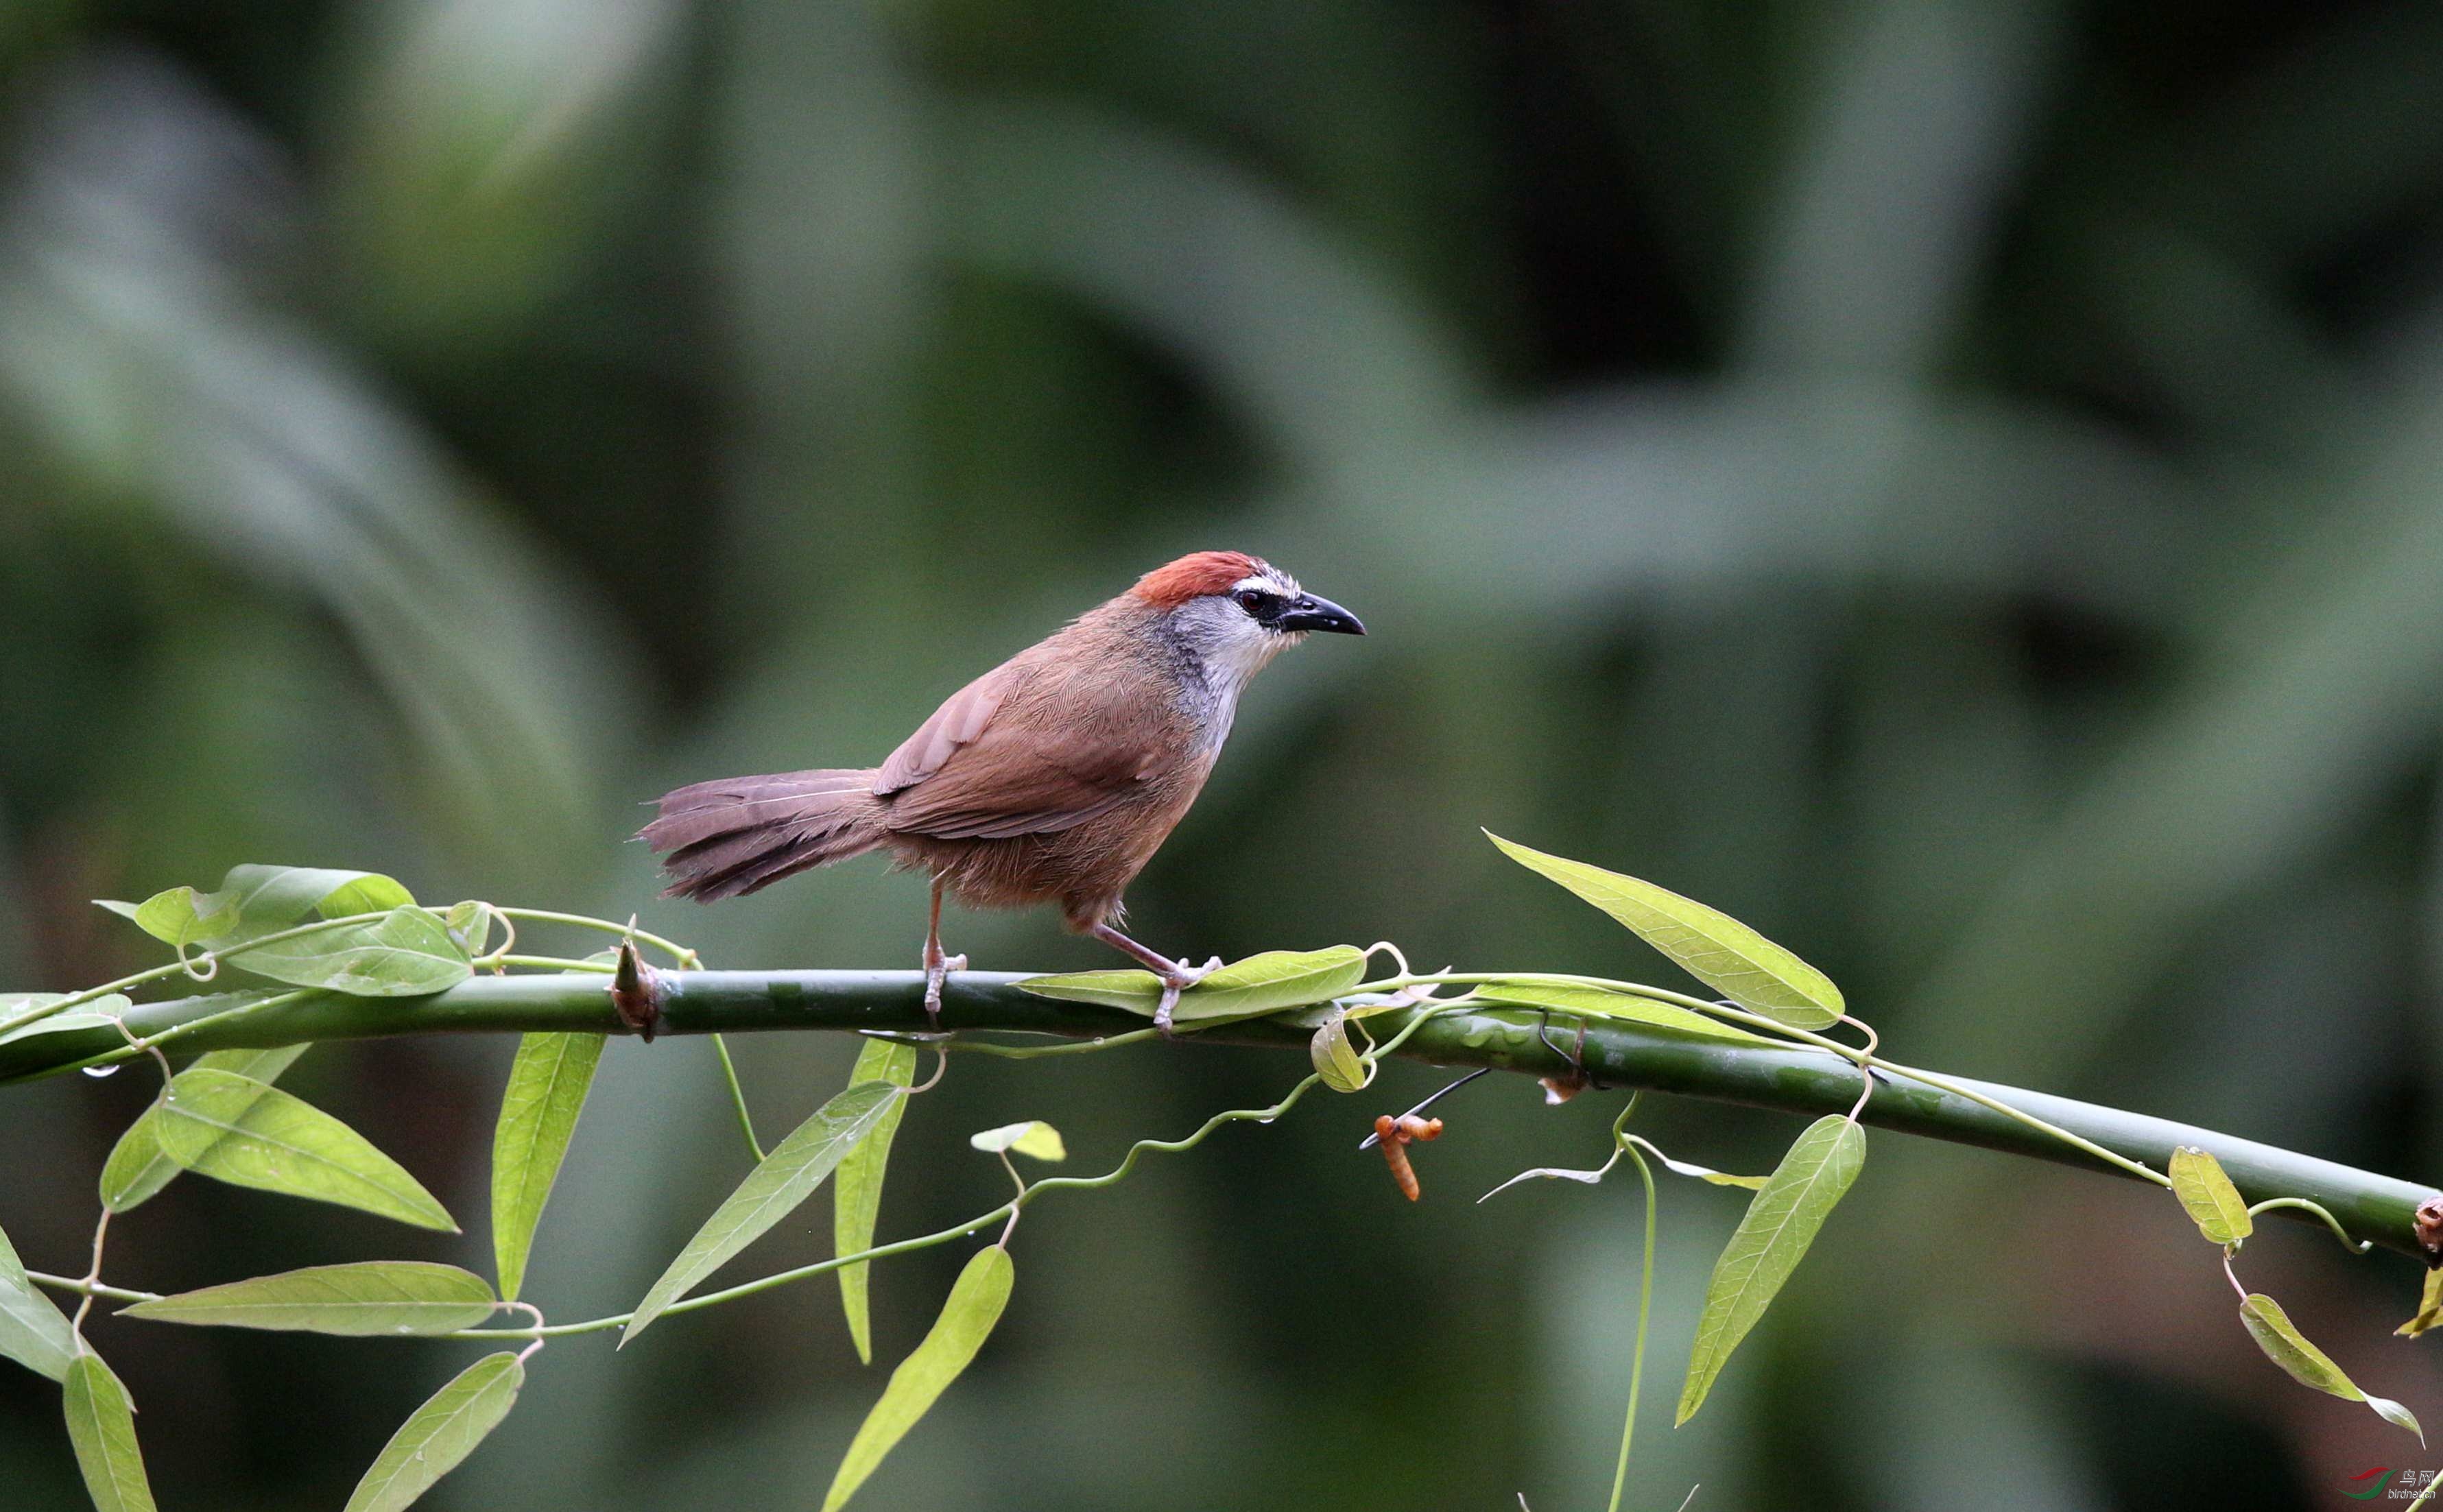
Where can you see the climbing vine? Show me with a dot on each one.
(294, 935)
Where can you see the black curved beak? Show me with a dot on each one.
(1308, 612)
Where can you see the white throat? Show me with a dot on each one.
(1230, 650)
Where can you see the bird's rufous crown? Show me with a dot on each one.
(1195, 575)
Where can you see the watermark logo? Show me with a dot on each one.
(2390, 1483)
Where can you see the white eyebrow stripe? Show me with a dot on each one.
(1272, 581)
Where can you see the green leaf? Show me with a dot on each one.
(366, 1298)
(1133, 991)
(546, 1091)
(183, 917)
(2286, 1346)
(440, 1434)
(101, 1012)
(1266, 983)
(1597, 1002)
(235, 1129)
(966, 1321)
(470, 924)
(1271, 982)
(2430, 1308)
(33, 1331)
(136, 1168)
(1035, 1139)
(271, 898)
(102, 1427)
(1710, 946)
(406, 952)
(788, 1176)
(1781, 1222)
(254, 900)
(2198, 1181)
(1335, 1059)
(856, 1195)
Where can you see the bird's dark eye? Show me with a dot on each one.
(1259, 603)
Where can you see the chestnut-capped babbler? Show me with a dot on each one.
(1051, 778)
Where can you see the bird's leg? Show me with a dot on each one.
(937, 966)
(1177, 976)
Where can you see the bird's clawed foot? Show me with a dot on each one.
(1179, 978)
(937, 969)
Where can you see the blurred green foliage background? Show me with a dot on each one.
(1955, 482)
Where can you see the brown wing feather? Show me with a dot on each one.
(1013, 781)
(1061, 734)
(960, 718)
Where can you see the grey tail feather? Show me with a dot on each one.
(729, 837)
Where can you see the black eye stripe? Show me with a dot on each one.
(1258, 604)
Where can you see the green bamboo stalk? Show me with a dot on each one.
(2366, 1206)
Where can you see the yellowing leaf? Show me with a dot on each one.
(2213, 1203)
(1781, 1222)
(1035, 1139)
(1710, 945)
(2430, 1308)
(967, 1318)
